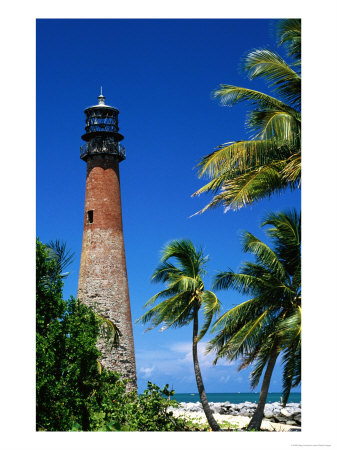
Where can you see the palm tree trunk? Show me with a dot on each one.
(207, 410)
(258, 415)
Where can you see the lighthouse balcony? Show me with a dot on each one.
(102, 148)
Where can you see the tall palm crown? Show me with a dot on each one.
(183, 297)
(245, 171)
(185, 289)
(267, 324)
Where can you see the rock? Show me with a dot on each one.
(226, 404)
(297, 418)
(194, 408)
(287, 412)
(268, 414)
(249, 404)
(244, 412)
(280, 418)
(236, 407)
(291, 422)
(217, 408)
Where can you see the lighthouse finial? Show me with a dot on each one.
(101, 98)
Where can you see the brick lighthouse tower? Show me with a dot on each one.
(103, 282)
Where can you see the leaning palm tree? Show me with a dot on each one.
(183, 297)
(245, 171)
(268, 324)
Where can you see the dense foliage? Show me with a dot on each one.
(73, 391)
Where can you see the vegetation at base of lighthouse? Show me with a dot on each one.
(73, 391)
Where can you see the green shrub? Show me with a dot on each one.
(72, 392)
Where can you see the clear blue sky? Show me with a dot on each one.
(160, 75)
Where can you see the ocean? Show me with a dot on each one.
(237, 397)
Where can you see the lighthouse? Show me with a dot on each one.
(103, 282)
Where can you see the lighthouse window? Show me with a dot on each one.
(91, 216)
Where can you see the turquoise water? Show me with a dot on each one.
(237, 398)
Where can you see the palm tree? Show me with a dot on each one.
(245, 171)
(62, 255)
(183, 297)
(268, 324)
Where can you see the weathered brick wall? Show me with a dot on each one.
(103, 281)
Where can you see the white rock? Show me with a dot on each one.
(291, 422)
(287, 412)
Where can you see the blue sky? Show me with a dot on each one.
(160, 74)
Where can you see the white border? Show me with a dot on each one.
(18, 209)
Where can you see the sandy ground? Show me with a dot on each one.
(241, 421)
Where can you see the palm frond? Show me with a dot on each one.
(185, 283)
(183, 315)
(292, 170)
(190, 260)
(260, 364)
(278, 128)
(291, 368)
(243, 340)
(241, 282)
(285, 232)
(235, 158)
(289, 329)
(279, 75)
(263, 254)
(237, 310)
(229, 95)
(167, 311)
(109, 331)
(289, 33)
(211, 308)
(165, 293)
(63, 256)
(250, 187)
(164, 272)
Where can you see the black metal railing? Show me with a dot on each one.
(101, 126)
(102, 147)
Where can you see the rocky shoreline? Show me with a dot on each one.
(273, 412)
